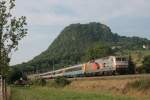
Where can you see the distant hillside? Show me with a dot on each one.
(75, 42)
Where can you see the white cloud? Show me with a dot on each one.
(42, 11)
(59, 13)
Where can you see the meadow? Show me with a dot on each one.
(45, 93)
(111, 89)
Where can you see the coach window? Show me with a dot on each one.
(104, 64)
(124, 59)
(118, 59)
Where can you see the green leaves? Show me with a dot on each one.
(98, 50)
(12, 29)
(146, 63)
(12, 4)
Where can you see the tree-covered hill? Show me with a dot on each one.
(78, 43)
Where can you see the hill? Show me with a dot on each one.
(80, 42)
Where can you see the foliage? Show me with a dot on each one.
(11, 31)
(16, 74)
(61, 82)
(97, 51)
(140, 70)
(137, 58)
(42, 82)
(39, 82)
(146, 63)
(76, 44)
(131, 67)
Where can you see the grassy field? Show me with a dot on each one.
(45, 93)
(88, 89)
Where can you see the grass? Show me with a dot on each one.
(142, 84)
(110, 89)
(45, 93)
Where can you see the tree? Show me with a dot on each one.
(15, 74)
(12, 29)
(98, 50)
(146, 64)
(131, 67)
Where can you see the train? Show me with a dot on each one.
(111, 65)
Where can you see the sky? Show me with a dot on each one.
(47, 18)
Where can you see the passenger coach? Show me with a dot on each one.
(104, 66)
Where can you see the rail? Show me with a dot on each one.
(133, 76)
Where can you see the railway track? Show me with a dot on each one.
(142, 76)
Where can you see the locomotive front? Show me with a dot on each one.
(121, 64)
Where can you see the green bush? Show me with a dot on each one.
(42, 82)
(61, 82)
(131, 67)
(140, 84)
(146, 64)
(140, 70)
(15, 74)
(39, 82)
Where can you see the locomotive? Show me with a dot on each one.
(110, 65)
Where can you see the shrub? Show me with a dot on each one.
(131, 67)
(140, 70)
(146, 63)
(61, 82)
(40, 82)
(16, 74)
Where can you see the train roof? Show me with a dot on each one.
(79, 65)
(50, 72)
(75, 66)
(46, 73)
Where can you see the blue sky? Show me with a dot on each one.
(47, 18)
